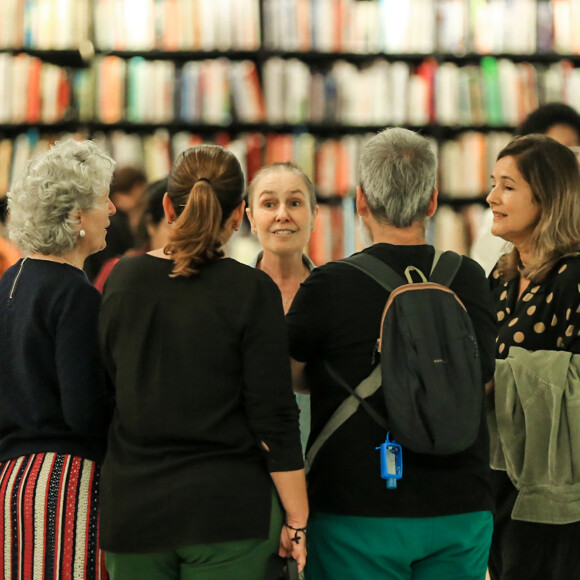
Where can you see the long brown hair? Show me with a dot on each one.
(206, 184)
(553, 174)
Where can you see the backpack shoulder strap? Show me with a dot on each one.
(367, 387)
(445, 268)
(377, 270)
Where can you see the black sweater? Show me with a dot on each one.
(202, 377)
(336, 316)
(53, 392)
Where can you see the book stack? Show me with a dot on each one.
(388, 26)
(33, 91)
(335, 234)
(140, 91)
(466, 163)
(417, 26)
(177, 25)
(44, 24)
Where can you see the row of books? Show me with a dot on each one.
(390, 26)
(423, 26)
(45, 24)
(455, 228)
(130, 25)
(465, 164)
(32, 91)
(188, 25)
(495, 92)
(213, 92)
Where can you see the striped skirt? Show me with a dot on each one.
(49, 518)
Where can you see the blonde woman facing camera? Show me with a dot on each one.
(282, 210)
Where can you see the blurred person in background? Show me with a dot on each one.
(128, 196)
(153, 229)
(9, 253)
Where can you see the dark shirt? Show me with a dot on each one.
(52, 383)
(336, 316)
(119, 239)
(202, 377)
(546, 317)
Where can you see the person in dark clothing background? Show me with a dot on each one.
(556, 120)
(128, 196)
(153, 230)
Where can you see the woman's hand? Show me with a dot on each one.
(293, 543)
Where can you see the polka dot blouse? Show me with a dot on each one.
(545, 317)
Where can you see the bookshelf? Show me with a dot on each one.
(277, 79)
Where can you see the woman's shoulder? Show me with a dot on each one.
(565, 274)
(568, 265)
(243, 272)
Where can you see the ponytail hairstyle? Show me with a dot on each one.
(206, 184)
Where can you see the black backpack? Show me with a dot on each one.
(429, 369)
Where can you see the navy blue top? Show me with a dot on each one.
(52, 384)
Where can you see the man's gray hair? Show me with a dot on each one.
(398, 173)
(70, 176)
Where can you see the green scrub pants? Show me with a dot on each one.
(358, 548)
(242, 560)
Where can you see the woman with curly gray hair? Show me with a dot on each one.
(56, 403)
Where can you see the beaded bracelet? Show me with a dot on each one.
(296, 537)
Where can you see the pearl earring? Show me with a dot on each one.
(254, 231)
(236, 227)
(82, 233)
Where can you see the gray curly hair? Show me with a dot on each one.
(69, 177)
(398, 172)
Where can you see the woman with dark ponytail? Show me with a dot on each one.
(204, 443)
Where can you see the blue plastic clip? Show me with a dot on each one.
(391, 462)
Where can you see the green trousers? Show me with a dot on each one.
(242, 560)
(358, 548)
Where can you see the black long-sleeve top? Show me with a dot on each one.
(202, 377)
(53, 390)
(336, 316)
